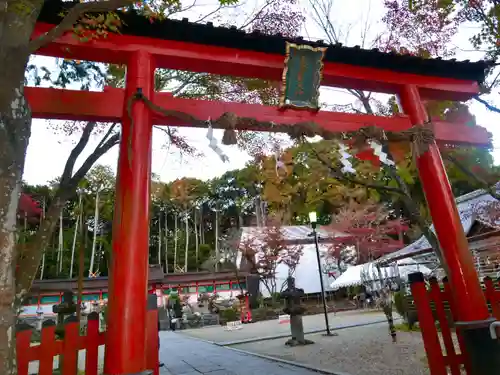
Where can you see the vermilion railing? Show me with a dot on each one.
(444, 345)
(68, 348)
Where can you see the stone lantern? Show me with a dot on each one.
(294, 308)
(64, 310)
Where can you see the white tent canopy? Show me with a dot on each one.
(351, 277)
(368, 274)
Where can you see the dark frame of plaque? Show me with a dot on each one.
(293, 93)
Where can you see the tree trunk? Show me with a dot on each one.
(257, 211)
(42, 217)
(263, 211)
(159, 238)
(96, 225)
(175, 241)
(60, 246)
(15, 128)
(73, 248)
(75, 236)
(187, 243)
(202, 226)
(217, 236)
(81, 265)
(196, 240)
(29, 267)
(166, 240)
(10, 187)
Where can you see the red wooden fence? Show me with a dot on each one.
(434, 304)
(67, 349)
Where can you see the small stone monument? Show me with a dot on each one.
(294, 308)
(64, 310)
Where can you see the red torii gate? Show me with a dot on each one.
(144, 46)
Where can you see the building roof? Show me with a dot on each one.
(208, 34)
(466, 205)
(301, 234)
(156, 276)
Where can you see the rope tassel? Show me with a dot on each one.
(229, 138)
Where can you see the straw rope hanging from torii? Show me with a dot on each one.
(420, 136)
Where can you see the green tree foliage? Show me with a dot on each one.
(101, 177)
(305, 184)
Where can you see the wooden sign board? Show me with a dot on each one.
(302, 77)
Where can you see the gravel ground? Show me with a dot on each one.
(273, 328)
(356, 351)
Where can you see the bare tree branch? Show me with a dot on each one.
(92, 159)
(215, 11)
(76, 151)
(209, 14)
(321, 15)
(257, 15)
(108, 133)
(181, 9)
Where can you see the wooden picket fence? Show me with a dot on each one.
(68, 348)
(433, 304)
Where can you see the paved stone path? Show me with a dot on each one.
(186, 356)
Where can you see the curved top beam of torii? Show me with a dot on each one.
(197, 47)
(170, 54)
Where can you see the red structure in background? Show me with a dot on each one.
(144, 46)
(28, 207)
(245, 310)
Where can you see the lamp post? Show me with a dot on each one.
(313, 219)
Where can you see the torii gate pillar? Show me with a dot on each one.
(473, 315)
(128, 282)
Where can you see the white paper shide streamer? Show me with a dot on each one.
(344, 159)
(213, 144)
(379, 152)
